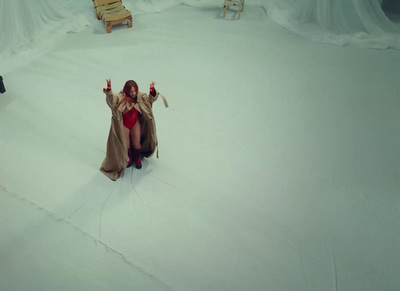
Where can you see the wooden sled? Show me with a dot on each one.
(112, 12)
(228, 3)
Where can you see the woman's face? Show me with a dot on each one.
(132, 92)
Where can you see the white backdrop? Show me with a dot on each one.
(32, 27)
(279, 159)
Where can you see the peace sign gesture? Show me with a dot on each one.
(108, 84)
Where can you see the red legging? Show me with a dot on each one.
(130, 118)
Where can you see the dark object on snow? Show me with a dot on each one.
(2, 88)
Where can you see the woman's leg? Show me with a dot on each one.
(128, 145)
(135, 134)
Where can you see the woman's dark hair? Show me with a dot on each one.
(128, 86)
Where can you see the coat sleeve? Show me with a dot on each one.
(146, 105)
(155, 97)
(152, 98)
(111, 99)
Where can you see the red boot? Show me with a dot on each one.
(138, 161)
(130, 158)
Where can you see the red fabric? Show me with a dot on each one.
(130, 118)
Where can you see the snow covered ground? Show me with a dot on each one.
(279, 161)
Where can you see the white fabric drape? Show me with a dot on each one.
(29, 28)
(345, 16)
(342, 22)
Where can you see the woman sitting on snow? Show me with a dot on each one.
(132, 126)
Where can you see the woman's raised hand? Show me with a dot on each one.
(152, 89)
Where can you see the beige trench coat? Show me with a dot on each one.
(116, 158)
